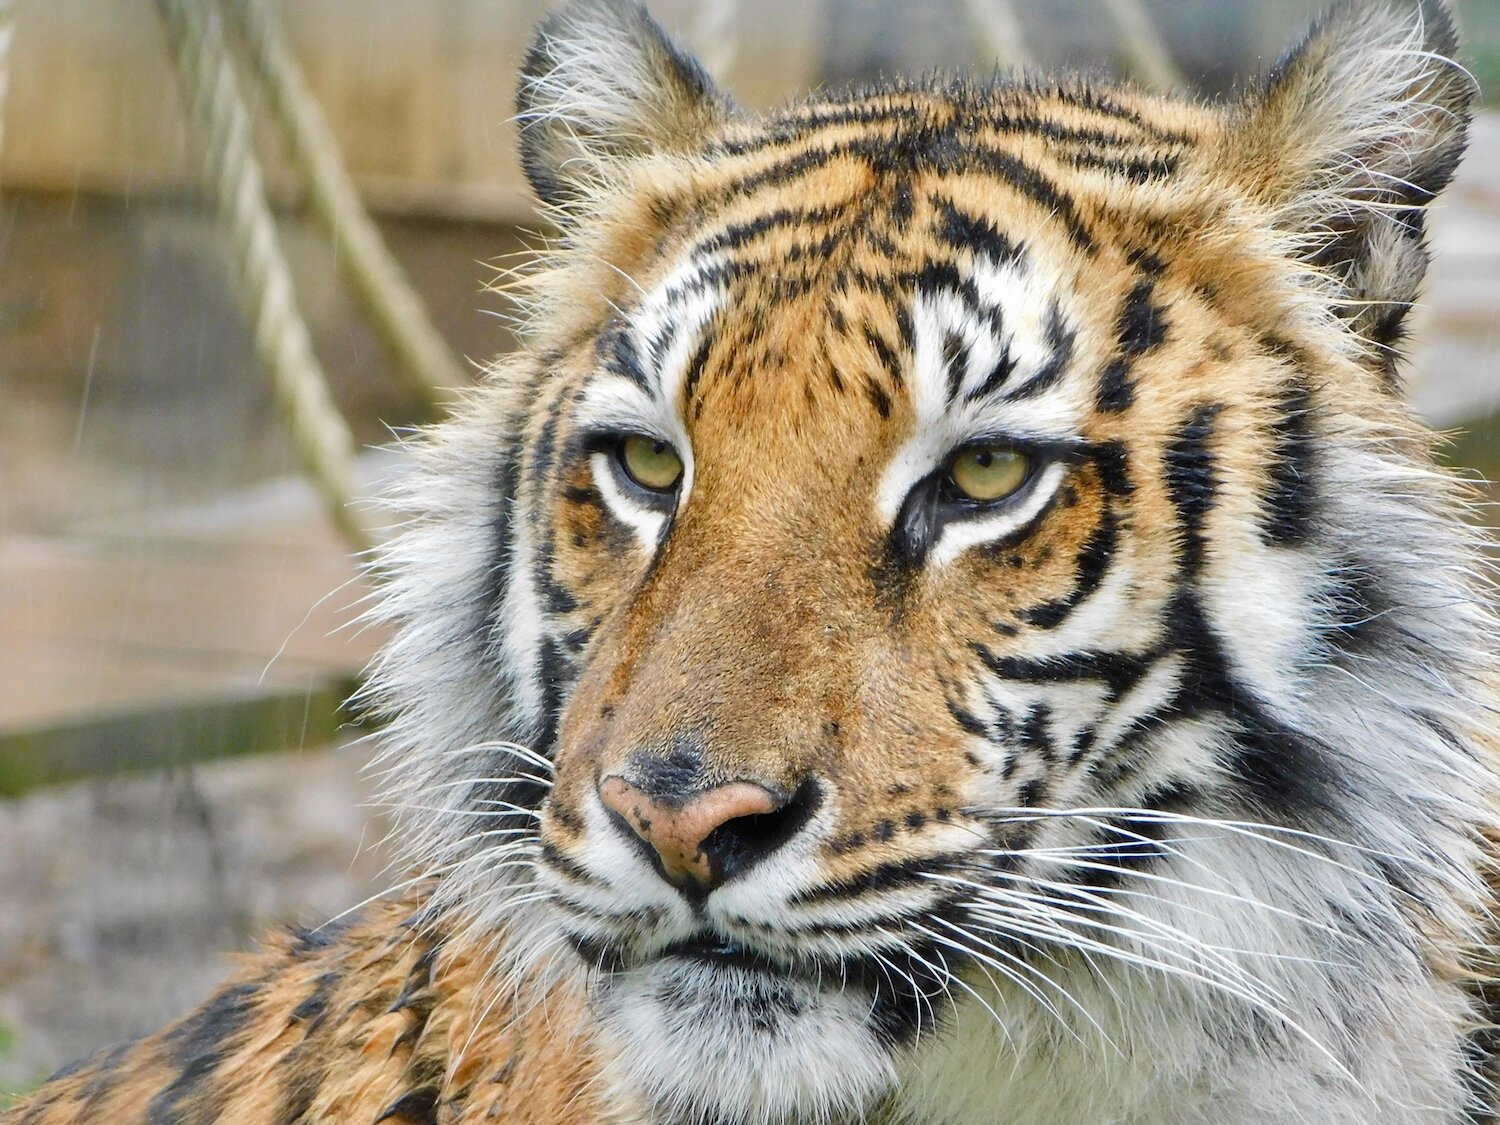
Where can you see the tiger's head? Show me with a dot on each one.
(950, 594)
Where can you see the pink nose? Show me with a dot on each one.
(679, 831)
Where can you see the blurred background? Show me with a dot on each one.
(177, 611)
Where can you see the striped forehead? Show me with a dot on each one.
(988, 327)
(1000, 317)
(992, 341)
(655, 342)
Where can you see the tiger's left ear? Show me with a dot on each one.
(602, 84)
(1350, 137)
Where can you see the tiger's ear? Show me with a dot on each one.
(601, 84)
(1349, 138)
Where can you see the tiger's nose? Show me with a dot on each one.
(703, 840)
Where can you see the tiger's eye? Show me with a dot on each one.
(988, 472)
(652, 464)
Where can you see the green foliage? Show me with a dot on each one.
(1479, 22)
(10, 1089)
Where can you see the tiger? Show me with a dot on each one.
(949, 619)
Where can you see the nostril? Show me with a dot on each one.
(699, 841)
(737, 844)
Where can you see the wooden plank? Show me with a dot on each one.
(420, 96)
(213, 624)
(171, 736)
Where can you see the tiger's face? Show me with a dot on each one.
(927, 531)
(862, 557)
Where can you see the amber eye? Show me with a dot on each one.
(652, 464)
(984, 473)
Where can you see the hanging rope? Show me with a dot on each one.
(221, 128)
(7, 34)
(1000, 27)
(372, 272)
(1145, 48)
(714, 36)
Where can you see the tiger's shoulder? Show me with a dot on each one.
(376, 1019)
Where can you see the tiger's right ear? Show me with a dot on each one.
(1349, 140)
(600, 85)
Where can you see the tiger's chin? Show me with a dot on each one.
(716, 1034)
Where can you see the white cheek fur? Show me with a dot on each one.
(959, 535)
(646, 523)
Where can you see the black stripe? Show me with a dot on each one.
(105, 1070)
(788, 168)
(909, 997)
(1140, 328)
(1116, 391)
(502, 527)
(1030, 794)
(556, 677)
(882, 285)
(312, 1009)
(1112, 460)
(1139, 169)
(955, 362)
(1002, 370)
(618, 354)
(904, 327)
(1482, 1054)
(1083, 136)
(1093, 565)
(1060, 338)
(543, 457)
(576, 640)
(1118, 671)
(1193, 482)
(695, 366)
(1359, 610)
(1035, 733)
(903, 203)
(887, 355)
(1286, 773)
(978, 114)
(941, 151)
(416, 1107)
(1139, 843)
(738, 234)
(1143, 323)
(554, 858)
(1002, 730)
(798, 124)
(1100, 102)
(964, 231)
(936, 279)
(1033, 184)
(656, 346)
(555, 596)
(596, 953)
(1291, 495)
(196, 1047)
(1147, 261)
(882, 877)
(541, 484)
(967, 719)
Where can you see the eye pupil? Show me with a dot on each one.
(650, 463)
(985, 474)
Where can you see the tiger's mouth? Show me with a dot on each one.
(906, 977)
(717, 951)
(706, 949)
